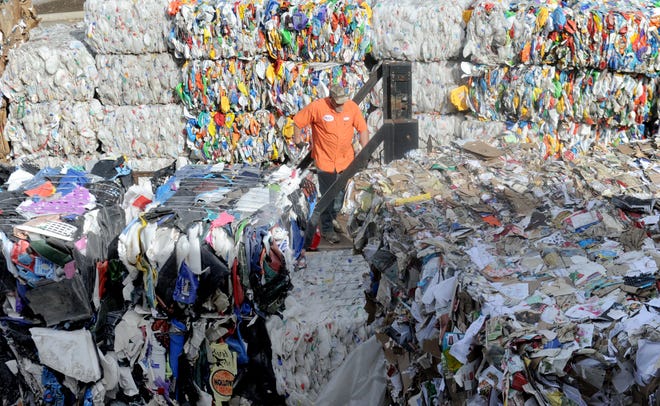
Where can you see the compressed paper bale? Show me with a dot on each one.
(17, 18)
(438, 130)
(534, 93)
(54, 65)
(249, 85)
(615, 35)
(331, 31)
(137, 79)
(146, 131)
(418, 30)
(127, 26)
(60, 128)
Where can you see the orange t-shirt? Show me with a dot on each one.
(332, 132)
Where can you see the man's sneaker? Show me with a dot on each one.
(331, 237)
(336, 227)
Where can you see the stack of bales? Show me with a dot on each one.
(564, 76)
(50, 83)
(142, 118)
(431, 36)
(251, 65)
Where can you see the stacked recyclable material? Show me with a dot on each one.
(618, 35)
(502, 276)
(50, 82)
(240, 107)
(252, 65)
(155, 291)
(431, 36)
(571, 67)
(137, 80)
(127, 27)
(298, 31)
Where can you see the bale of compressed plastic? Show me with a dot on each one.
(60, 128)
(329, 31)
(145, 131)
(533, 93)
(17, 18)
(127, 26)
(137, 79)
(54, 65)
(238, 85)
(438, 130)
(615, 35)
(418, 30)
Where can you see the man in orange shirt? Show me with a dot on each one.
(333, 120)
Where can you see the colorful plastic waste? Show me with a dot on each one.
(294, 31)
(618, 35)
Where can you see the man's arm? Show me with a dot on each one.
(297, 135)
(364, 137)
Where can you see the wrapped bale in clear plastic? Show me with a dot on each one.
(329, 31)
(60, 128)
(616, 35)
(249, 85)
(137, 79)
(417, 30)
(145, 131)
(533, 93)
(126, 26)
(53, 65)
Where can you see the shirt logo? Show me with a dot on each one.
(346, 118)
(328, 118)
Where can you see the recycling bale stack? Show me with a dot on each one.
(252, 67)
(137, 77)
(431, 36)
(564, 77)
(50, 82)
(17, 18)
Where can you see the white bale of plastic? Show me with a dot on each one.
(418, 30)
(438, 130)
(127, 26)
(145, 131)
(432, 84)
(60, 128)
(53, 65)
(323, 322)
(137, 79)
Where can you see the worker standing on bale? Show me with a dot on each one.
(333, 120)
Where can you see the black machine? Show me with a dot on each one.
(399, 132)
